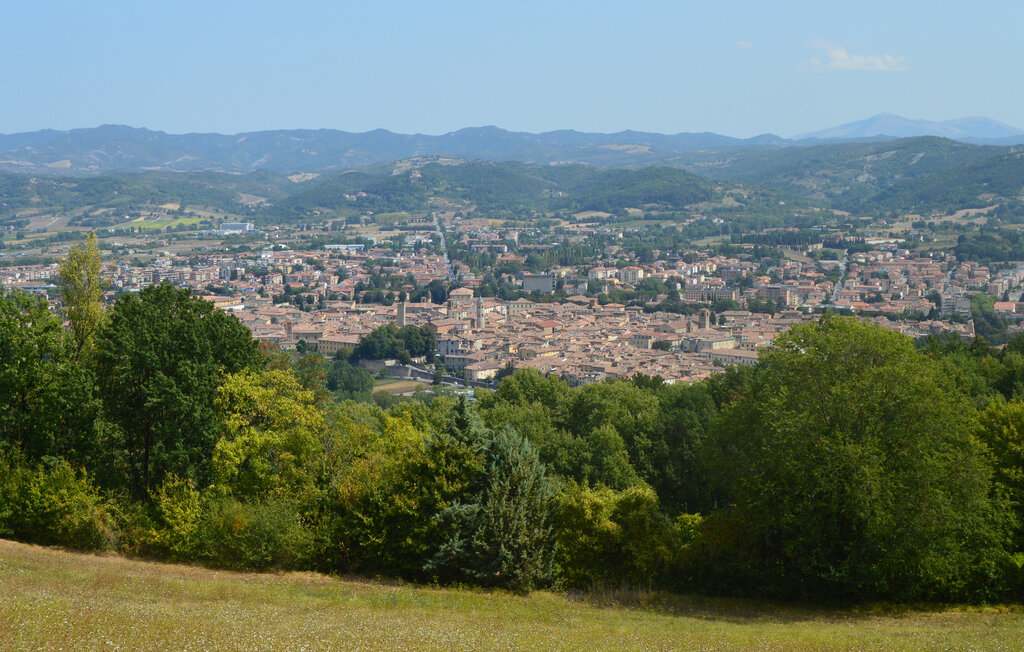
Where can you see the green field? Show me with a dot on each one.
(398, 385)
(52, 599)
(163, 222)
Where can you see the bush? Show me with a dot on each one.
(179, 512)
(609, 538)
(53, 504)
(253, 536)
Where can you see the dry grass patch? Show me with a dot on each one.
(396, 386)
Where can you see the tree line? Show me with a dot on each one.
(847, 465)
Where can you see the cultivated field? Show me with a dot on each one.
(398, 386)
(52, 599)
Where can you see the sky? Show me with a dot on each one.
(734, 68)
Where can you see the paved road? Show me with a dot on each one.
(842, 276)
(444, 248)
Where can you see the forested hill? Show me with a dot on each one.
(506, 186)
(909, 176)
(906, 175)
(19, 192)
(406, 186)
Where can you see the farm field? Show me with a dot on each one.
(54, 599)
(163, 222)
(398, 386)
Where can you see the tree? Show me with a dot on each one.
(348, 381)
(677, 445)
(273, 435)
(631, 411)
(48, 401)
(605, 460)
(161, 356)
(1002, 430)
(608, 538)
(396, 480)
(501, 536)
(81, 290)
(853, 472)
(390, 341)
(311, 372)
(529, 386)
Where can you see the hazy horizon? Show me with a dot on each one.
(739, 70)
(488, 126)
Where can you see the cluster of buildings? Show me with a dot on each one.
(318, 299)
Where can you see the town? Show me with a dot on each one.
(689, 313)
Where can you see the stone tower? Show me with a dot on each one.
(480, 312)
(704, 319)
(401, 314)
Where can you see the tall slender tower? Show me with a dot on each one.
(401, 314)
(479, 312)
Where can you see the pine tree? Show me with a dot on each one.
(501, 536)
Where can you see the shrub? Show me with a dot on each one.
(179, 513)
(53, 504)
(608, 538)
(253, 536)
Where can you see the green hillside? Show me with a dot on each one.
(971, 185)
(912, 175)
(21, 192)
(507, 186)
(857, 176)
(56, 599)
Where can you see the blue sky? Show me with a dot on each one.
(736, 68)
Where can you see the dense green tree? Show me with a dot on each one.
(630, 410)
(311, 372)
(161, 356)
(394, 482)
(605, 460)
(273, 436)
(1002, 430)
(392, 342)
(530, 386)
(348, 381)
(501, 536)
(853, 471)
(49, 404)
(679, 474)
(608, 538)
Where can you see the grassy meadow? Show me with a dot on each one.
(54, 599)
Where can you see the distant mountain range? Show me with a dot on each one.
(116, 147)
(972, 130)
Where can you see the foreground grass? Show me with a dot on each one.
(52, 599)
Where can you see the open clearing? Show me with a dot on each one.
(162, 222)
(398, 386)
(53, 599)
